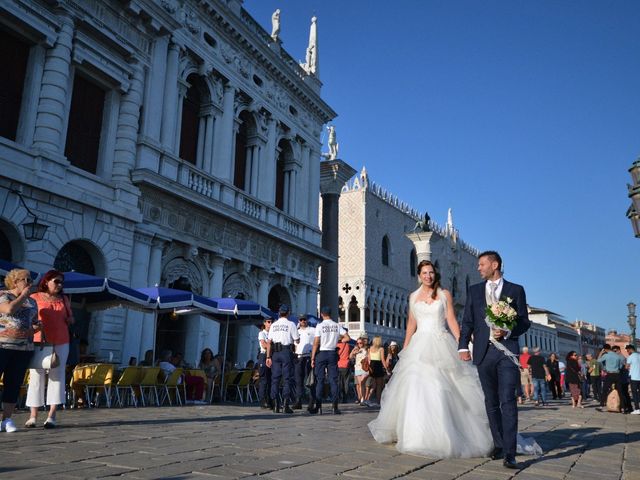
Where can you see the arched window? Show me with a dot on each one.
(6, 253)
(74, 257)
(385, 251)
(190, 126)
(413, 262)
(285, 177)
(245, 174)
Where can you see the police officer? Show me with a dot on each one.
(324, 356)
(265, 372)
(302, 361)
(283, 334)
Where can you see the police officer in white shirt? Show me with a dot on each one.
(283, 334)
(302, 361)
(265, 372)
(324, 356)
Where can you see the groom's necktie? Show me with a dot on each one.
(493, 287)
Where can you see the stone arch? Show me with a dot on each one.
(11, 242)
(278, 295)
(179, 270)
(354, 309)
(238, 285)
(81, 256)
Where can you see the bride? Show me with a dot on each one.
(433, 404)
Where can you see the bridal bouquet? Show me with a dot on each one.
(502, 315)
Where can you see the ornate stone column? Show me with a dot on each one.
(314, 187)
(223, 147)
(154, 273)
(52, 107)
(170, 106)
(134, 322)
(333, 176)
(127, 134)
(216, 275)
(422, 242)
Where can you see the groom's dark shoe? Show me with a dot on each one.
(496, 454)
(510, 462)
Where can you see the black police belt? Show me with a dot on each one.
(279, 347)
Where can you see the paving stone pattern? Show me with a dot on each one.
(232, 442)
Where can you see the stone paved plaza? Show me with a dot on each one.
(231, 441)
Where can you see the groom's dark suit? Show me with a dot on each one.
(499, 376)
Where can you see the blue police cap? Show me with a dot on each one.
(284, 309)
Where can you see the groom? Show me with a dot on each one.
(499, 375)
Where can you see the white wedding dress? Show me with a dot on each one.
(433, 404)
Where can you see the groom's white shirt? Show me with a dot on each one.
(487, 291)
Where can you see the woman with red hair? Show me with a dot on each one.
(54, 312)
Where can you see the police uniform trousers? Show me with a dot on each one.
(327, 359)
(281, 368)
(302, 366)
(265, 378)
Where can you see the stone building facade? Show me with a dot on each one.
(377, 262)
(163, 142)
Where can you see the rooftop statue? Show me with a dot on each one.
(333, 143)
(275, 25)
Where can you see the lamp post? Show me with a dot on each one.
(631, 318)
(32, 230)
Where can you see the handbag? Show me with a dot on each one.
(310, 380)
(613, 401)
(44, 357)
(366, 364)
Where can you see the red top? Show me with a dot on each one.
(343, 354)
(54, 314)
(524, 360)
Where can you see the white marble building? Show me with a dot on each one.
(377, 262)
(169, 142)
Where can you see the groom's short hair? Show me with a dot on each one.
(493, 256)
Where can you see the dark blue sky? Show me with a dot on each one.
(521, 116)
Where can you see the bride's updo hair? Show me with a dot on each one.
(436, 279)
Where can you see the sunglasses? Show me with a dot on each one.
(26, 280)
(58, 281)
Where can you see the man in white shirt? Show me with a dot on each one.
(282, 335)
(302, 361)
(324, 356)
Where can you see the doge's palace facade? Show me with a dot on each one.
(163, 142)
(377, 261)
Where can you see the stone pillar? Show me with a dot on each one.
(267, 184)
(312, 300)
(52, 108)
(301, 298)
(126, 137)
(170, 106)
(422, 242)
(207, 157)
(30, 95)
(224, 146)
(302, 205)
(216, 275)
(333, 176)
(154, 101)
(264, 278)
(134, 322)
(154, 273)
(314, 187)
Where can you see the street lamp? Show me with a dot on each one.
(32, 230)
(631, 318)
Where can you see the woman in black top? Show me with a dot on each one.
(572, 374)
